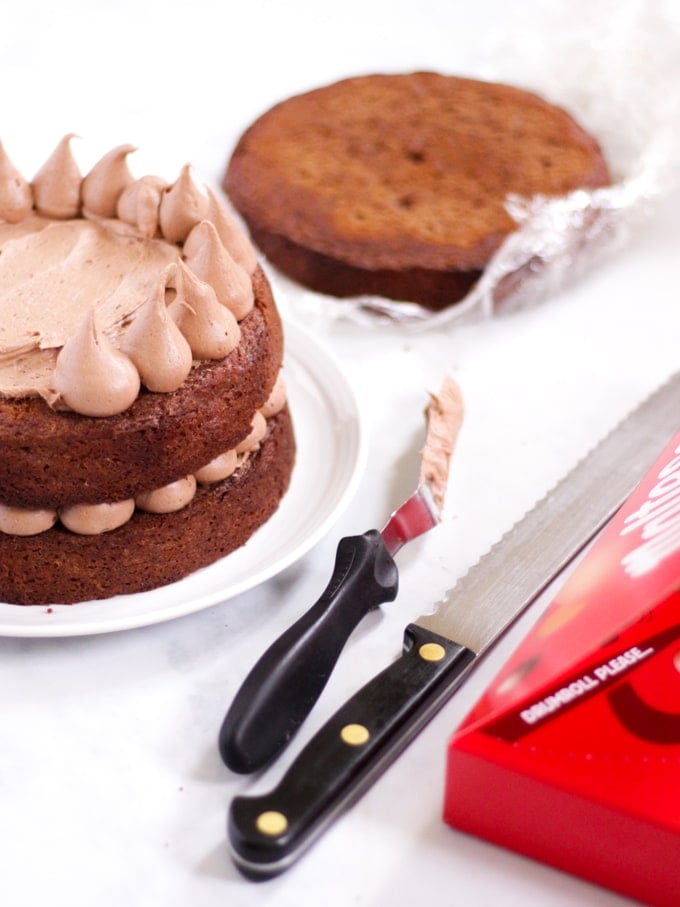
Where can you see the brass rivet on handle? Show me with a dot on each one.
(431, 651)
(271, 823)
(355, 734)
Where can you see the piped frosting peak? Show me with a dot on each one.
(210, 328)
(155, 344)
(106, 181)
(233, 238)
(213, 264)
(16, 195)
(56, 186)
(182, 205)
(139, 204)
(92, 376)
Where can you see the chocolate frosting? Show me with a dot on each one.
(74, 246)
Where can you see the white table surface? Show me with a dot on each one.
(111, 790)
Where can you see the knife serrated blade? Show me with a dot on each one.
(269, 832)
(516, 570)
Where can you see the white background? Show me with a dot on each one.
(111, 789)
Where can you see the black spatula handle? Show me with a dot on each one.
(284, 684)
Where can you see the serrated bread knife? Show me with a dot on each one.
(268, 833)
(286, 681)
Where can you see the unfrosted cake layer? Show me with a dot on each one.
(396, 185)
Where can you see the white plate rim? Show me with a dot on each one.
(322, 402)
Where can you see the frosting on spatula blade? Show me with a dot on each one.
(444, 421)
(422, 511)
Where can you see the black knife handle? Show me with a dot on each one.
(284, 684)
(268, 833)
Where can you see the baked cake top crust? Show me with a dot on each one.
(406, 171)
(110, 284)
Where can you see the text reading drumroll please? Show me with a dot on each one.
(585, 684)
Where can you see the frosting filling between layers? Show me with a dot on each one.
(96, 519)
(60, 567)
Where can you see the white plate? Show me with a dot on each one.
(329, 463)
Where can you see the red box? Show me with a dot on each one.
(572, 754)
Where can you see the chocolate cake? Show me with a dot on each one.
(396, 185)
(144, 430)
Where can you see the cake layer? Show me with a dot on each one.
(376, 184)
(59, 567)
(52, 459)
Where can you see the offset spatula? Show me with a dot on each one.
(269, 832)
(284, 684)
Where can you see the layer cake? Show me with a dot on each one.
(144, 429)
